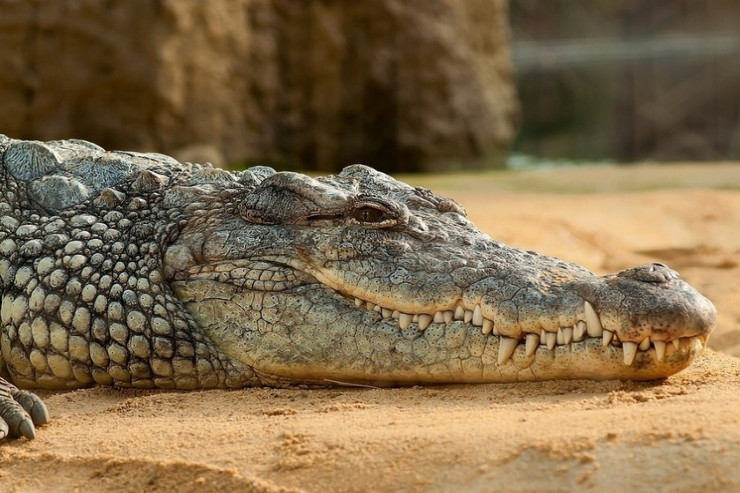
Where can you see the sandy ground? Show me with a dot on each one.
(682, 434)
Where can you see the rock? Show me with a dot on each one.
(400, 85)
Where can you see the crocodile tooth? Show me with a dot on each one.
(424, 321)
(359, 302)
(386, 313)
(370, 306)
(468, 316)
(396, 314)
(495, 331)
(377, 308)
(552, 338)
(676, 343)
(415, 318)
(606, 338)
(459, 313)
(567, 334)
(696, 343)
(506, 348)
(531, 343)
(645, 344)
(543, 336)
(559, 338)
(659, 349)
(630, 350)
(477, 316)
(448, 315)
(593, 323)
(579, 331)
(438, 317)
(404, 320)
(487, 326)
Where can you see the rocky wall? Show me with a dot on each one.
(403, 85)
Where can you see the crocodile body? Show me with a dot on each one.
(128, 269)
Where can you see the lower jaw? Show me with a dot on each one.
(585, 360)
(591, 360)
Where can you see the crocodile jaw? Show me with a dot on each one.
(312, 333)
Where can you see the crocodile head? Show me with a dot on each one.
(359, 278)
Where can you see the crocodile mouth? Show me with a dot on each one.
(586, 334)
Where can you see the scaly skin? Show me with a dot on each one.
(134, 270)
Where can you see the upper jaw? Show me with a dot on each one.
(643, 309)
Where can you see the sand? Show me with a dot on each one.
(681, 434)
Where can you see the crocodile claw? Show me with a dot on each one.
(20, 412)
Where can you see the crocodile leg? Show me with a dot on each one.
(20, 412)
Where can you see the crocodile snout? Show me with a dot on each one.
(652, 301)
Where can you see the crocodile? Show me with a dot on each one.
(135, 270)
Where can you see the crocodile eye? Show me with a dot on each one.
(368, 215)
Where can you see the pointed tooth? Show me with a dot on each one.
(593, 323)
(448, 315)
(559, 338)
(567, 334)
(477, 316)
(543, 337)
(386, 313)
(630, 350)
(551, 338)
(459, 313)
(487, 326)
(468, 316)
(645, 344)
(415, 318)
(396, 314)
(676, 343)
(377, 308)
(696, 343)
(531, 343)
(438, 317)
(359, 302)
(404, 320)
(506, 347)
(370, 306)
(424, 321)
(495, 331)
(659, 349)
(606, 337)
(579, 331)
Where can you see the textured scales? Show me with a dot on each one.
(128, 269)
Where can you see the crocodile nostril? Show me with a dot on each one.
(656, 273)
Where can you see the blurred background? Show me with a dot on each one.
(404, 86)
(628, 80)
